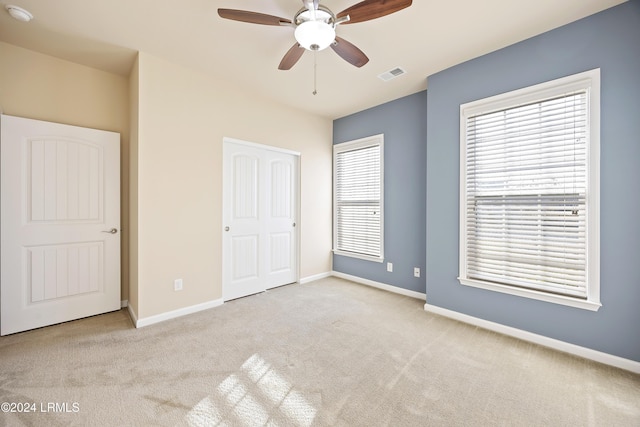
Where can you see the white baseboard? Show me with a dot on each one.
(383, 286)
(313, 278)
(576, 350)
(124, 303)
(146, 321)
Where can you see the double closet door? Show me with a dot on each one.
(260, 207)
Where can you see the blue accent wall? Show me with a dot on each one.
(403, 123)
(609, 40)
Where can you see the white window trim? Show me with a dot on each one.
(374, 140)
(591, 81)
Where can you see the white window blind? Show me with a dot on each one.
(358, 198)
(526, 191)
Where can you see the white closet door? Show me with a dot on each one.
(280, 224)
(259, 214)
(60, 254)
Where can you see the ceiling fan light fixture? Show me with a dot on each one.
(315, 35)
(315, 27)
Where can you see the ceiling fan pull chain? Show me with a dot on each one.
(315, 92)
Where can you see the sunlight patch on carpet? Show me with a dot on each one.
(250, 395)
(203, 414)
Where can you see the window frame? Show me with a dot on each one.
(370, 141)
(589, 81)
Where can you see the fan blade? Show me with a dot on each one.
(349, 52)
(291, 57)
(372, 9)
(252, 17)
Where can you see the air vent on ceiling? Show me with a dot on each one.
(392, 74)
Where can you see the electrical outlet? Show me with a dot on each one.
(177, 285)
(390, 267)
(416, 272)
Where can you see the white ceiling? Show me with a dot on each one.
(425, 38)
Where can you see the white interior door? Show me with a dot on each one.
(60, 223)
(259, 214)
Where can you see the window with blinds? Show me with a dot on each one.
(358, 202)
(529, 192)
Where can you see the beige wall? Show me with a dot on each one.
(183, 116)
(172, 121)
(42, 87)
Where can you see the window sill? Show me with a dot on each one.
(359, 256)
(531, 294)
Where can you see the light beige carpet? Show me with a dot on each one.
(326, 353)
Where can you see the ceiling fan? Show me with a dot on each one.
(315, 27)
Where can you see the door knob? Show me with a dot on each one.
(294, 224)
(112, 231)
(226, 228)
